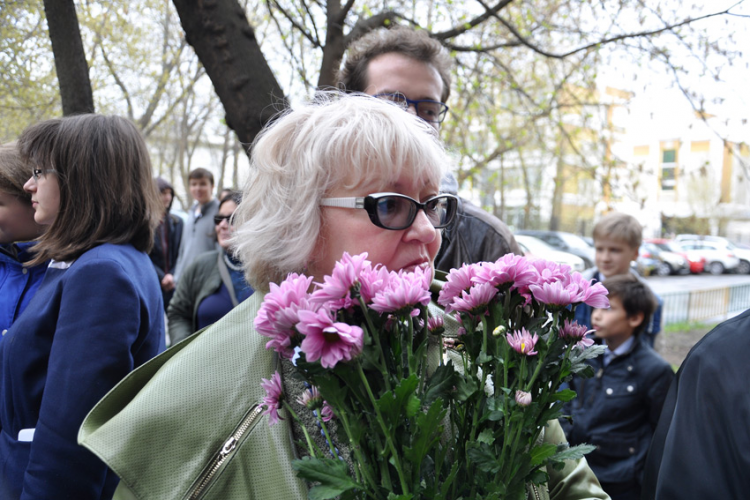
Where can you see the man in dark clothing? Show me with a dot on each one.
(166, 242)
(701, 447)
(413, 70)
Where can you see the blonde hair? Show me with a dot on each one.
(620, 227)
(336, 141)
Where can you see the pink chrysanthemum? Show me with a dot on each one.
(475, 300)
(328, 341)
(523, 398)
(279, 313)
(510, 268)
(326, 412)
(572, 332)
(404, 292)
(458, 280)
(372, 281)
(554, 294)
(311, 399)
(550, 271)
(335, 291)
(274, 394)
(434, 323)
(523, 342)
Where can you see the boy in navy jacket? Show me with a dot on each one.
(617, 410)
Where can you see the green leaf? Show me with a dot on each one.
(440, 383)
(393, 496)
(486, 436)
(541, 453)
(466, 387)
(412, 406)
(565, 395)
(333, 476)
(482, 456)
(428, 432)
(573, 452)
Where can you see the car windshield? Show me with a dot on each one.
(574, 241)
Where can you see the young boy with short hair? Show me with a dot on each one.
(617, 237)
(617, 410)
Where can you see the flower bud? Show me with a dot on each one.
(523, 398)
(499, 331)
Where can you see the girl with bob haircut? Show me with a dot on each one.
(165, 426)
(97, 314)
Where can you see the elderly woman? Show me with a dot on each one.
(346, 174)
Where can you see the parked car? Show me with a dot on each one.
(742, 253)
(719, 258)
(667, 262)
(566, 242)
(535, 247)
(696, 261)
(645, 263)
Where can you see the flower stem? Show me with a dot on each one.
(310, 446)
(388, 437)
(374, 334)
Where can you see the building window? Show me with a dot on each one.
(668, 167)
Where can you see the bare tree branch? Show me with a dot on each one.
(459, 30)
(316, 43)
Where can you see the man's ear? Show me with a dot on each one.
(635, 320)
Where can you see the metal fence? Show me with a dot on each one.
(703, 305)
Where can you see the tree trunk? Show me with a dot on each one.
(70, 60)
(226, 46)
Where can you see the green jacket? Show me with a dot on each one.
(201, 279)
(163, 426)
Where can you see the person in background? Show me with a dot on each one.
(213, 284)
(18, 283)
(199, 236)
(96, 315)
(700, 447)
(411, 69)
(617, 237)
(618, 409)
(166, 242)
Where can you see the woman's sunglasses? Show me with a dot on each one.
(218, 219)
(396, 211)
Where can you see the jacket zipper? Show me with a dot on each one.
(536, 492)
(229, 447)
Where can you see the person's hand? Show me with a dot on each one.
(167, 283)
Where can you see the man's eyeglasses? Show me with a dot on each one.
(38, 172)
(396, 211)
(429, 111)
(218, 219)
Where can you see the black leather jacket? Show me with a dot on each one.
(474, 236)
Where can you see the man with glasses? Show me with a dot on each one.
(412, 70)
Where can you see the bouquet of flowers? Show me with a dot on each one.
(398, 416)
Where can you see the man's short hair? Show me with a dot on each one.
(635, 296)
(201, 173)
(415, 44)
(620, 227)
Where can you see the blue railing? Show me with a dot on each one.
(704, 305)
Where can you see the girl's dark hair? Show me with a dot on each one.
(232, 195)
(107, 194)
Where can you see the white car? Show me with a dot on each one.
(535, 247)
(742, 253)
(719, 256)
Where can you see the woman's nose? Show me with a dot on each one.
(422, 229)
(30, 185)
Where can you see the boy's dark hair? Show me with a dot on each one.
(409, 42)
(635, 296)
(201, 173)
(107, 193)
